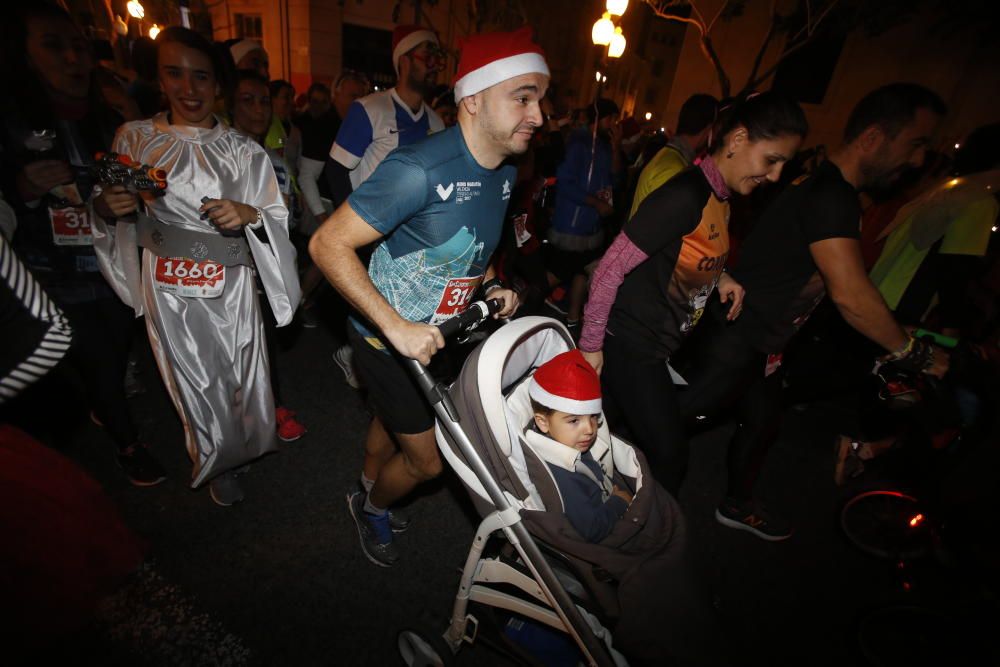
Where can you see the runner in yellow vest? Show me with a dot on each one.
(694, 124)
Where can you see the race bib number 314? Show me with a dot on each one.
(186, 277)
(455, 298)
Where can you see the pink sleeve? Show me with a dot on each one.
(618, 261)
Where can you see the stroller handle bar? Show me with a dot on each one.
(472, 316)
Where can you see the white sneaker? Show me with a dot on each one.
(344, 356)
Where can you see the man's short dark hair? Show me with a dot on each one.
(241, 76)
(278, 85)
(697, 113)
(318, 87)
(891, 107)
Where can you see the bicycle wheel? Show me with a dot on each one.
(887, 524)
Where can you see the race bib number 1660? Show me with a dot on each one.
(186, 277)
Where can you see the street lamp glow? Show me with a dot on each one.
(597, 76)
(154, 31)
(135, 9)
(604, 79)
(617, 46)
(649, 116)
(603, 30)
(617, 7)
(957, 146)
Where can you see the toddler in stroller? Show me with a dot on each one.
(565, 396)
(636, 579)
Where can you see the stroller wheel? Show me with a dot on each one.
(419, 650)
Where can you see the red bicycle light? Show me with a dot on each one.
(916, 520)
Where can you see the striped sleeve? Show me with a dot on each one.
(40, 335)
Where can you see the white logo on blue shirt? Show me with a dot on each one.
(445, 192)
(506, 190)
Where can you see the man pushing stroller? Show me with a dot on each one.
(436, 210)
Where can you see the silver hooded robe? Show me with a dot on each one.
(211, 351)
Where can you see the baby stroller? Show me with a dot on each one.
(553, 578)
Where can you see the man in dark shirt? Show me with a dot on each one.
(319, 126)
(805, 246)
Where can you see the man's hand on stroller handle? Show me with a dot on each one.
(509, 299)
(415, 340)
(419, 341)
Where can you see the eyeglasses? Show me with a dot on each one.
(433, 59)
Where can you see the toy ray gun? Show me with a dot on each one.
(117, 169)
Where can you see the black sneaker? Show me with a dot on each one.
(139, 465)
(308, 317)
(373, 531)
(225, 490)
(399, 521)
(561, 306)
(745, 515)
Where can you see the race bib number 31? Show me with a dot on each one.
(71, 226)
(456, 296)
(186, 277)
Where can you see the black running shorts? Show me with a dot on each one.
(393, 394)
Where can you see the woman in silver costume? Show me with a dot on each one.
(220, 218)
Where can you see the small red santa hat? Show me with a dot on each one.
(490, 58)
(405, 38)
(568, 383)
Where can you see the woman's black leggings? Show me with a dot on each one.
(639, 393)
(726, 375)
(102, 339)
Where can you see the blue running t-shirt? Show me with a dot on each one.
(441, 214)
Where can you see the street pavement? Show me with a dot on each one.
(280, 578)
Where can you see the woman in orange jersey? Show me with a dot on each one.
(653, 283)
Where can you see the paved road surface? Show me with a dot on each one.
(280, 579)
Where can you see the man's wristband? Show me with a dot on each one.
(918, 359)
(904, 351)
(492, 284)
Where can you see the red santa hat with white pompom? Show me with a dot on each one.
(490, 58)
(405, 38)
(567, 383)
